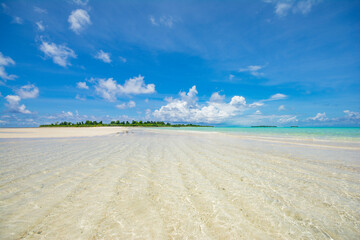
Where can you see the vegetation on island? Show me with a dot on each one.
(263, 126)
(118, 123)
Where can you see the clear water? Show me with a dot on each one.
(347, 134)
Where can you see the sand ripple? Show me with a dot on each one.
(154, 184)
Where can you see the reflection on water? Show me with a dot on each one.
(154, 184)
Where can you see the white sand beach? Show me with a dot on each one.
(137, 183)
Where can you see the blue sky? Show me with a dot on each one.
(227, 63)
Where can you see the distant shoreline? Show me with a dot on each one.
(120, 124)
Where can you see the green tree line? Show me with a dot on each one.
(118, 123)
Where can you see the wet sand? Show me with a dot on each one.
(163, 184)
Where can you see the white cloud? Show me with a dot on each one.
(40, 10)
(60, 54)
(4, 75)
(109, 89)
(304, 7)
(153, 21)
(28, 91)
(216, 97)
(18, 20)
(82, 85)
(78, 20)
(78, 97)
(281, 108)
(238, 100)
(81, 2)
(256, 104)
(167, 21)
(123, 59)
(284, 7)
(14, 104)
(278, 96)
(319, 117)
(40, 26)
(6, 61)
(253, 70)
(130, 104)
(103, 56)
(66, 114)
(187, 109)
(136, 85)
(352, 115)
(258, 112)
(288, 119)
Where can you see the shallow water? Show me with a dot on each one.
(163, 184)
(320, 133)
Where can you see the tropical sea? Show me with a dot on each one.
(316, 133)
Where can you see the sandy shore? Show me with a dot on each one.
(58, 132)
(113, 183)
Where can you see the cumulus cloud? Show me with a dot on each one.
(6, 61)
(109, 89)
(14, 104)
(352, 115)
(238, 100)
(281, 108)
(60, 54)
(253, 70)
(82, 85)
(78, 20)
(284, 7)
(28, 91)
(187, 109)
(216, 97)
(167, 21)
(130, 104)
(319, 117)
(103, 56)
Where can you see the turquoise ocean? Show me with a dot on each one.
(321, 133)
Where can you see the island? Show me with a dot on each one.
(118, 123)
(263, 126)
